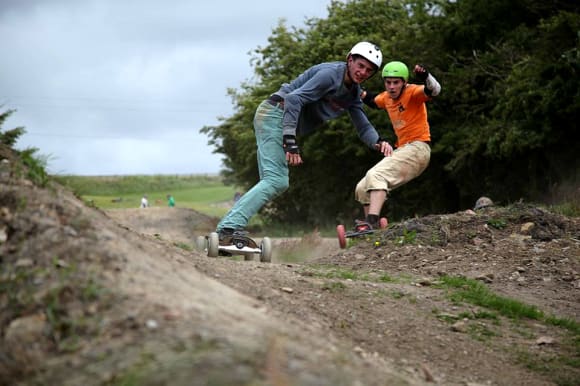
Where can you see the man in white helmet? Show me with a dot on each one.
(322, 92)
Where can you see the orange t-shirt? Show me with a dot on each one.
(408, 114)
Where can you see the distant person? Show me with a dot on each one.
(405, 104)
(144, 202)
(237, 196)
(322, 92)
(170, 201)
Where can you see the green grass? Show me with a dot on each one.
(475, 292)
(203, 193)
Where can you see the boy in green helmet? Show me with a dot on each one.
(405, 104)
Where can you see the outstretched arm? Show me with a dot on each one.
(432, 87)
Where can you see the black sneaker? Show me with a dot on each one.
(225, 236)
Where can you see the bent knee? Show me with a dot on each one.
(360, 193)
(279, 185)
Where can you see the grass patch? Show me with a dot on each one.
(475, 292)
(333, 286)
(408, 237)
(480, 332)
(566, 366)
(556, 368)
(326, 272)
(184, 246)
(345, 274)
(204, 193)
(497, 223)
(397, 294)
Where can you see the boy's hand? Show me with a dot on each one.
(292, 150)
(421, 72)
(384, 147)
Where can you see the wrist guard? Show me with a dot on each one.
(290, 145)
(422, 75)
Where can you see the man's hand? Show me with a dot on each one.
(292, 150)
(384, 147)
(421, 72)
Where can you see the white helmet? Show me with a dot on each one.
(369, 51)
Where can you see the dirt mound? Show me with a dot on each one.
(87, 301)
(95, 298)
(513, 320)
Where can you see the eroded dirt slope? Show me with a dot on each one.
(87, 301)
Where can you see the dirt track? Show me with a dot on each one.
(100, 298)
(407, 320)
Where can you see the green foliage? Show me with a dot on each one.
(334, 286)
(507, 112)
(477, 293)
(115, 185)
(497, 223)
(35, 164)
(9, 137)
(408, 237)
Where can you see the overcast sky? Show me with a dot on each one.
(112, 87)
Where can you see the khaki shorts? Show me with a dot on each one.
(406, 163)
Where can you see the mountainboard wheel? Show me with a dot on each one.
(383, 223)
(200, 243)
(213, 244)
(266, 247)
(341, 233)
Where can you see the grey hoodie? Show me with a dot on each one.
(318, 95)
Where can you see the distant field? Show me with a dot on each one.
(204, 193)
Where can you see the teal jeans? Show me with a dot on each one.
(272, 167)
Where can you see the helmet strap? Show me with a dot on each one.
(350, 80)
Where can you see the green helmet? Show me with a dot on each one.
(396, 70)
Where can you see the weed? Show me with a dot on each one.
(397, 294)
(408, 237)
(9, 137)
(334, 286)
(184, 246)
(448, 318)
(569, 209)
(497, 223)
(386, 278)
(435, 238)
(569, 324)
(475, 292)
(557, 367)
(480, 332)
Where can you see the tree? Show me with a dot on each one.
(509, 71)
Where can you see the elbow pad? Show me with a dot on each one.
(432, 87)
